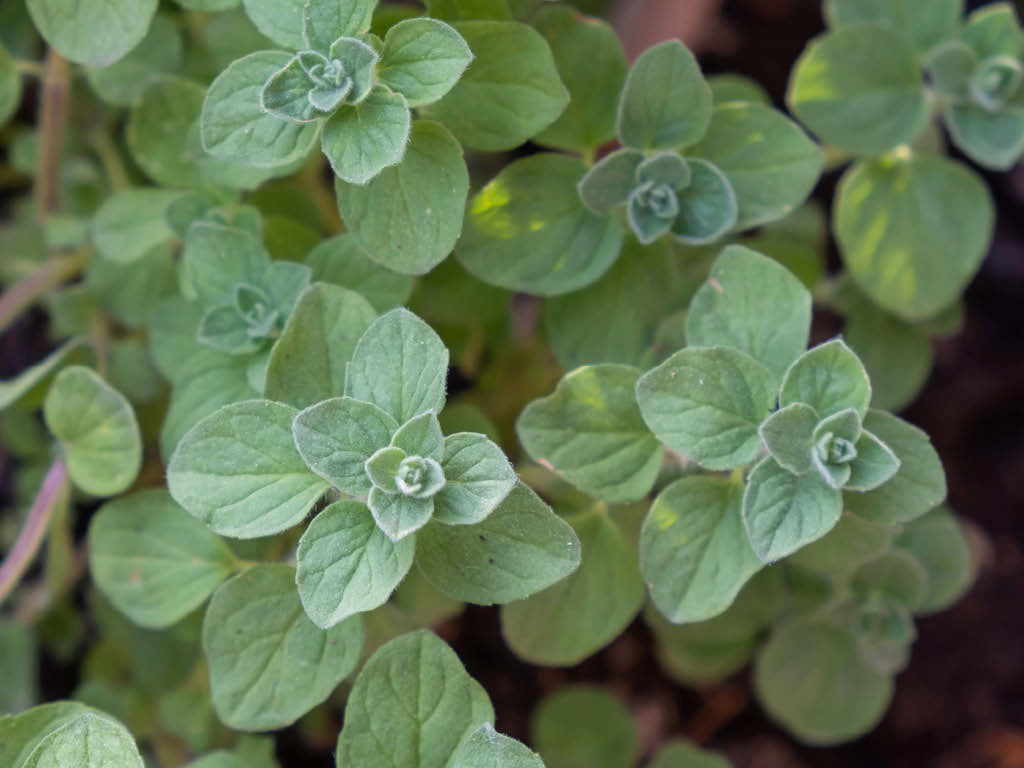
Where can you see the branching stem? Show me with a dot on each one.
(26, 292)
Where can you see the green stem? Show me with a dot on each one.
(110, 158)
(53, 115)
(54, 489)
(26, 292)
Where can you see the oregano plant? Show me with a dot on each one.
(284, 483)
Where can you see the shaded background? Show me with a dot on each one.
(960, 703)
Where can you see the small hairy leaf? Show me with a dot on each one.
(874, 465)
(830, 378)
(361, 140)
(63, 733)
(419, 723)
(93, 34)
(859, 87)
(913, 231)
(238, 471)
(478, 477)
(346, 565)
(409, 216)
(510, 92)
(423, 59)
(528, 230)
(583, 725)
(788, 434)
(782, 512)
(665, 102)
(579, 615)
(590, 431)
(707, 206)
(307, 364)
(154, 561)
(706, 403)
(520, 549)
(97, 430)
(324, 21)
(608, 183)
(486, 748)
(925, 22)
(336, 437)
(234, 126)
(694, 552)
(131, 222)
(400, 365)
(269, 664)
(399, 515)
(280, 20)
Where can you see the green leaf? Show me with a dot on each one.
(158, 131)
(875, 464)
(269, 664)
(707, 206)
(590, 431)
(581, 614)
(420, 723)
(528, 230)
(706, 403)
(770, 162)
(361, 140)
(682, 755)
(694, 553)
(400, 515)
(19, 662)
(131, 222)
(853, 542)
(937, 542)
(478, 478)
(288, 93)
(729, 87)
(520, 549)
(918, 485)
(340, 261)
(64, 733)
(665, 102)
(469, 9)
(337, 436)
(913, 231)
(409, 216)
(926, 23)
(280, 20)
(782, 512)
(616, 318)
(788, 434)
(859, 87)
(583, 725)
(608, 184)
(994, 30)
(753, 304)
(382, 468)
(829, 378)
(592, 65)
(10, 86)
(216, 259)
(31, 384)
(895, 574)
(307, 364)
(153, 561)
(801, 670)
(400, 365)
(509, 93)
(93, 34)
(346, 565)
(991, 139)
(324, 21)
(486, 748)
(97, 430)
(238, 471)
(423, 59)
(160, 52)
(234, 126)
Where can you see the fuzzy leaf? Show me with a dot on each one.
(346, 565)
(706, 403)
(665, 102)
(782, 511)
(324, 21)
(788, 434)
(707, 206)
(420, 723)
(336, 437)
(423, 59)
(238, 471)
(399, 515)
(131, 222)
(584, 725)
(66, 733)
(875, 464)
(409, 216)
(280, 20)
(269, 664)
(93, 34)
(830, 378)
(400, 365)
(478, 477)
(590, 431)
(528, 230)
(361, 140)
(520, 549)
(486, 748)
(991, 139)
(925, 22)
(97, 430)
(608, 183)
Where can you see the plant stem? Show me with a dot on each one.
(53, 113)
(110, 158)
(26, 292)
(27, 67)
(54, 489)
